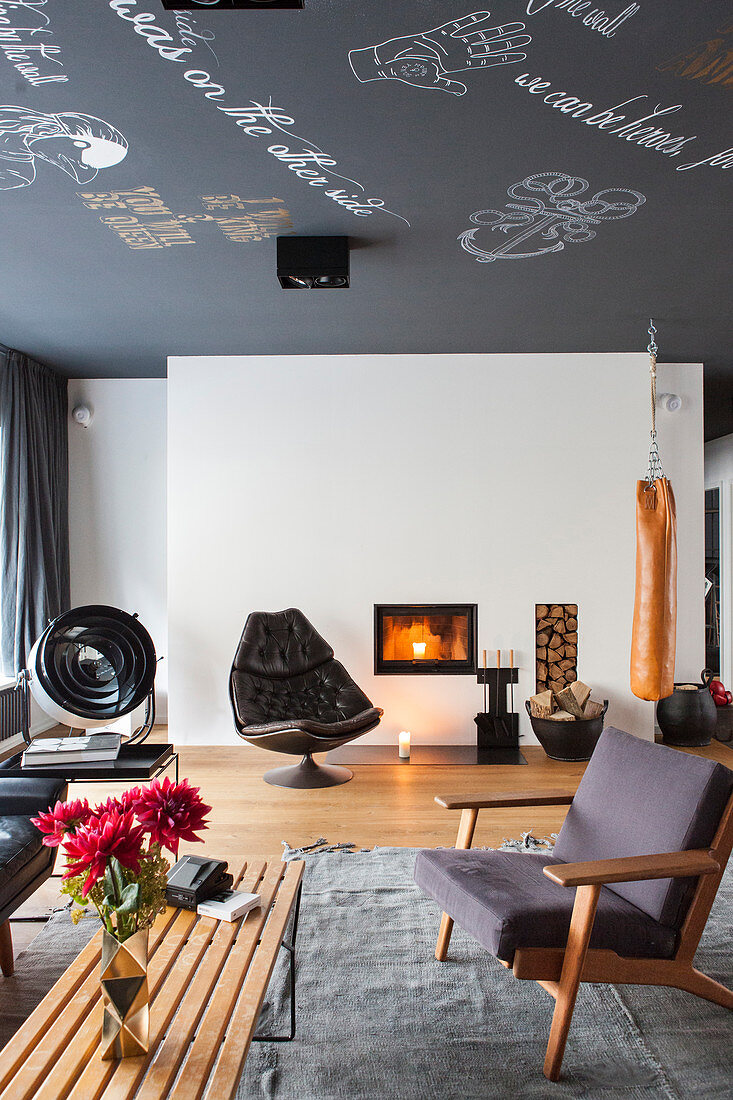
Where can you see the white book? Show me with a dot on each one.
(72, 750)
(229, 905)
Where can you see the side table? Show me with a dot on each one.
(139, 763)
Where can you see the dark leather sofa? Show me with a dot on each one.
(25, 862)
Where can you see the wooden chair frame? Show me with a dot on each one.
(561, 970)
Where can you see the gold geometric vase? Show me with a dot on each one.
(124, 978)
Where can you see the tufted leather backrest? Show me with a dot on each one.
(280, 644)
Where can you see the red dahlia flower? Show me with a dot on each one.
(171, 812)
(123, 804)
(93, 845)
(63, 819)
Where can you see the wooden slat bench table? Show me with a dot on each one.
(207, 983)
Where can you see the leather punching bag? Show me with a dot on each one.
(654, 632)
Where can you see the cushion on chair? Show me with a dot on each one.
(280, 644)
(324, 695)
(637, 798)
(505, 902)
(22, 855)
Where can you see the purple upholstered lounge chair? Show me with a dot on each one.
(645, 841)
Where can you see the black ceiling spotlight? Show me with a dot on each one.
(230, 5)
(313, 263)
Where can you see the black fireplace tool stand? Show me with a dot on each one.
(497, 728)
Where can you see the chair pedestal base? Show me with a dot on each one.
(308, 774)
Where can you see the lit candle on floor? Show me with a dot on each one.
(405, 744)
(418, 651)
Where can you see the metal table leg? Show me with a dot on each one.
(173, 758)
(290, 948)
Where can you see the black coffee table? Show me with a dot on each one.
(135, 762)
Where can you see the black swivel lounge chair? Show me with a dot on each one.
(289, 694)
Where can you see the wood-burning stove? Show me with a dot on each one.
(425, 639)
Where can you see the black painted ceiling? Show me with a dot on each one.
(504, 197)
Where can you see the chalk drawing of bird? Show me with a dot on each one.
(80, 145)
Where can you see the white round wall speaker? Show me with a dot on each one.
(671, 402)
(82, 414)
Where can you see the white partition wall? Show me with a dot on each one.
(334, 483)
(117, 504)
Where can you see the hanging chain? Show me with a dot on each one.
(655, 469)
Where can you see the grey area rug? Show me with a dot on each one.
(380, 1019)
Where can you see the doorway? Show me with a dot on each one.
(712, 580)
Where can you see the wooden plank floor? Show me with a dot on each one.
(382, 805)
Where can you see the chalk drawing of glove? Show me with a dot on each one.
(426, 60)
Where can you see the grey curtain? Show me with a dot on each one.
(34, 513)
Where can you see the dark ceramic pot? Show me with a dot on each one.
(568, 740)
(688, 716)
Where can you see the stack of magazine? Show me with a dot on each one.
(89, 749)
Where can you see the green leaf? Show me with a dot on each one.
(130, 899)
(118, 895)
(118, 875)
(111, 894)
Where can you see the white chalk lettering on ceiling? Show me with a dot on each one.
(430, 58)
(155, 36)
(310, 163)
(80, 145)
(596, 19)
(557, 217)
(647, 136)
(143, 221)
(710, 62)
(27, 47)
(185, 25)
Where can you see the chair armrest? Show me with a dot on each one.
(634, 868)
(496, 801)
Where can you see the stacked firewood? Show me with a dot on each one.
(557, 645)
(566, 705)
